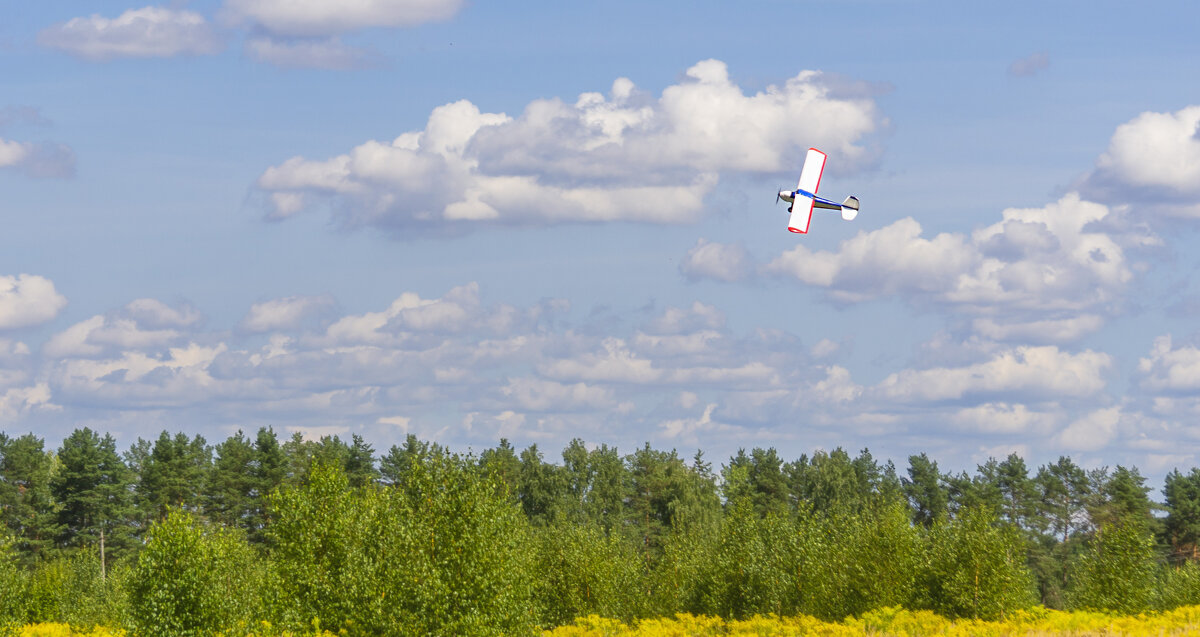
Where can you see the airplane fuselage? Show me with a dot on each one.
(818, 201)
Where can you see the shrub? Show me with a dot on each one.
(445, 553)
(582, 571)
(1116, 571)
(976, 568)
(193, 579)
(851, 563)
(12, 586)
(1179, 586)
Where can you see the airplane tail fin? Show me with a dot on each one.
(850, 208)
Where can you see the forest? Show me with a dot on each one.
(263, 535)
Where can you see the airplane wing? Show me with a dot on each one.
(802, 209)
(810, 175)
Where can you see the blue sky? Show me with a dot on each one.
(543, 221)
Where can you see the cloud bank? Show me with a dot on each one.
(625, 156)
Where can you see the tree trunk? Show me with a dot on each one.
(103, 575)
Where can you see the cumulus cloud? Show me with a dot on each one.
(720, 261)
(1170, 369)
(19, 401)
(1004, 418)
(1153, 163)
(1029, 65)
(1093, 431)
(154, 313)
(1041, 332)
(28, 299)
(143, 324)
(46, 160)
(1041, 372)
(626, 156)
(1038, 275)
(457, 367)
(149, 32)
(535, 394)
(313, 18)
(305, 33)
(284, 313)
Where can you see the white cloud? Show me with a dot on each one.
(1040, 332)
(1093, 431)
(153, 313)
(12, 153)
(330, 54)
(836, 387)
(311, 18)
(720, 261)
(136, 379)
(894, 259)
(284, 313)
(622, 157)
(535, 394)
(1004, 418)
(675, 320)
(1152, 159)
(19, 401)
(1043, 372)
(688, 430)
(824, 348)
(1040, 274)
(143, 324)
(144, 33)
(28, 299)
(45, 160)
(1170, 369)
(1029, 65)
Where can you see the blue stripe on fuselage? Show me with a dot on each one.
(805, 193)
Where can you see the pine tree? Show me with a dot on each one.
(1182, 525)
(174, 474)
(926, 495)
(27, 507)
(93, 487)
(229, 494)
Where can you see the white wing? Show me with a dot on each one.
(810, 176)
(802, 209)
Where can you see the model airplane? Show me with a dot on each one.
(804, 198)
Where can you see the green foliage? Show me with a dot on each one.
(1182, 526)
(976, 568)
(430, 542)
(193, 579)
(1116, 571)
(243, 474)
(923, 488)
(92, 488)
(1179, 586)
(12, 587)
(748, 571)
(71, 589)
(27, 507)
(833, 480)
(852, 562)
(444, 553)
(172, 474)
(582, 571)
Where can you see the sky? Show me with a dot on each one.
(541, 221)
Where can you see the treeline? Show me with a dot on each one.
(177, 536)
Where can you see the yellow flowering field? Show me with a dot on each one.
(898, 622)
(882, 622)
